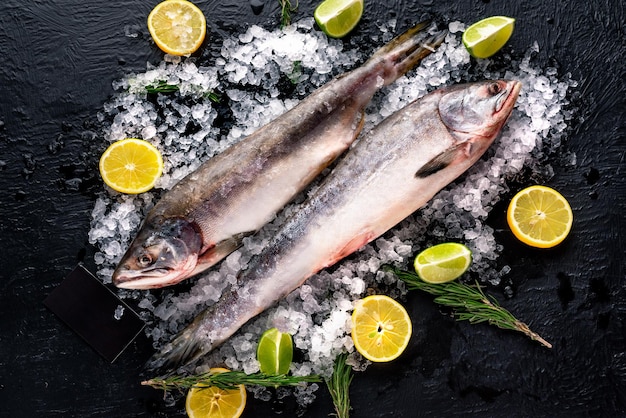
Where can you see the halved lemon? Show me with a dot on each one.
(381, 328)
(443, 262)
(131, 166)
(338, 17)
(178, 27)
(540, 216)
(485, 37)
(213, 402)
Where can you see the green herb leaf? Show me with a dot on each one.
(285, 12)
(339, 386)
(296, 72)
(161, 87)
(469, 304)
(228, 380)
(212, 96)
(164, 88)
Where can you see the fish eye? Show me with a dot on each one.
(144, 260)
(494, 88)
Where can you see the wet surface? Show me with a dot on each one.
(59, 61)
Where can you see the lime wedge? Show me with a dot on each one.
(443, 263)
(338, 17)
(484, 38)
(275, 352)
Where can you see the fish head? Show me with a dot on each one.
(473, 114)
(477, 111)
(164, 252)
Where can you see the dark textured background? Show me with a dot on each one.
(59, 59)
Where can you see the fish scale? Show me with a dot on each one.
(391, 172)
(205, 216)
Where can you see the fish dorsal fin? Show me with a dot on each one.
(441, 161)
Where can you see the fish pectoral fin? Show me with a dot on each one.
(443, 160)
(220, 250)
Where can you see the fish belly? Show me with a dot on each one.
(370, 191)
(241, 189)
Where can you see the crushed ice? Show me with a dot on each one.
(317, 314)
(119, 312)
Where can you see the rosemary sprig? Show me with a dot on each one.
(285, 12)
(470, 304)
(339, 385)
(164, 88)
(213, 96)
(161, 87)
(296, 72)
(228, 380)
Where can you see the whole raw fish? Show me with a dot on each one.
(391, 172)
(206, 215)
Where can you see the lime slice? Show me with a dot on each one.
(338, 17)
(275, 352)
(486, 37)
(443, 263)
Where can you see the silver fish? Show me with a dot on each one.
(392, 171)
(206, 215)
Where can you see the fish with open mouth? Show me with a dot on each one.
(206, 215)
(391, 172)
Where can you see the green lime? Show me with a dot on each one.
(484, 38)
(338, 17)
(275, 352)
(443, 263)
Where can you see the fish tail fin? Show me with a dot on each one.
(208, 330)
(182, 351)
(408, 49)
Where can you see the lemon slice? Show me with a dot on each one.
(275, 352)
(338, 17)
(381, 328)
(484, 38)
(212, 402)
(178, 27)
(540, 216)
(131, 166)
(443, 263)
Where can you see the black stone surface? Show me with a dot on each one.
(59, 59)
